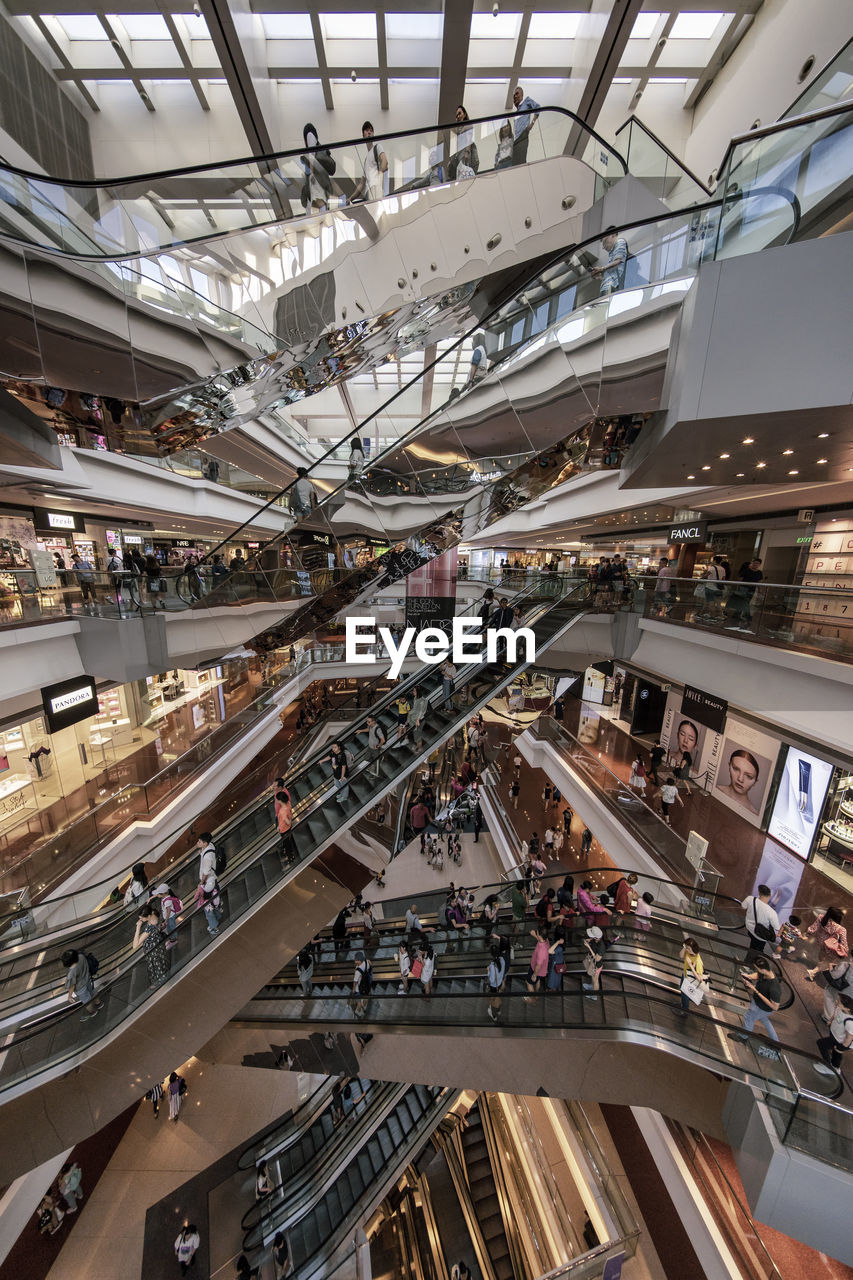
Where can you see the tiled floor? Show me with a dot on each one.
(157, 1158)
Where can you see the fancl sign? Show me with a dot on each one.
(681, 533)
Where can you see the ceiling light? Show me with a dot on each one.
(793, 473)
(691, 477)
(695, 26)
(748, 440)
(821, 461)
(740, 475)
(786, 453)
(725, 455)
(760, 465)
(823, 435)
(644, 26)
(706, 468)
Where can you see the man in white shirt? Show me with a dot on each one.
(760, 916)
(207, 863)
(371, 184)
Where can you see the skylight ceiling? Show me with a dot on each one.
(312, 51)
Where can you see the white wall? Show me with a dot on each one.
(760, 79)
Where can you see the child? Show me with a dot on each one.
(788, 935)
(643, 912)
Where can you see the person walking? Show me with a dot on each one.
(404, 960)
(668, 796)
(154, 1095)
(762, 922)
(657, 754)
(568, 814)
(766, 991)
(637, 779)
(586, 842)
(522, 124)
(549, 836)
(514, 790)
(302, 496)
(831, 934)
(478, 822)
(693, 973)
(340, 771)
(362, 984)
(176, 1089)
(417, 715)
(70, 1185)
(283, 808)
(80, 983)
(305, 969)
(448, 678)
(742, 592)
(186, 1246)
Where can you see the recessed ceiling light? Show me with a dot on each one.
(725, 455)
(786, 453)
(691, 477)
(821, 461)
(823, 435)
(748, 440)
(740, 475)
(760, 465)
(706, 468)
(793, 473)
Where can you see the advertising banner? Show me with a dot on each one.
(431, 593)
(684, 733)
(742, 769)
(782, 873)
(704, 708)
(799, 801)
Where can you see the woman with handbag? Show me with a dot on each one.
(839, 982)
(693, 984)
(593, 961)
(832, 937)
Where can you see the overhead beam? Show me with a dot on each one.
(320, 50)
(382, 55)
(238, 77)
(455, 40)
(604, 65)
(185, 59)
(56, 50)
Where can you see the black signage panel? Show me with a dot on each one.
(688, 532)
(704, 707)
(47, 521)
(69, 701)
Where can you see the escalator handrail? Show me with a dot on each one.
(650, 133)
(779, 126)
(565, 252)
(293, 153)
(400, 1019)
(255, 1151)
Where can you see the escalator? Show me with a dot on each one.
(481, 1181)
(318, 1236)
(637, 1006)
(303, 1170)
(40, 1037)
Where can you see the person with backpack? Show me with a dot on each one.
(362, 984)
(186, 1246)
(496, 973)
(376, 741)
(80, 982)
(371, 184)
(170, 908)
(317, 168)
(208, 856)
(637, 779)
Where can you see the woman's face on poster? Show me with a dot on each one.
(688, 736)
(743, 775)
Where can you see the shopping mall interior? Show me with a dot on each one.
(326, 333)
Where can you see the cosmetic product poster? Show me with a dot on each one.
(782, 872)
(799, 801)
(681, 733)
(745, 769)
